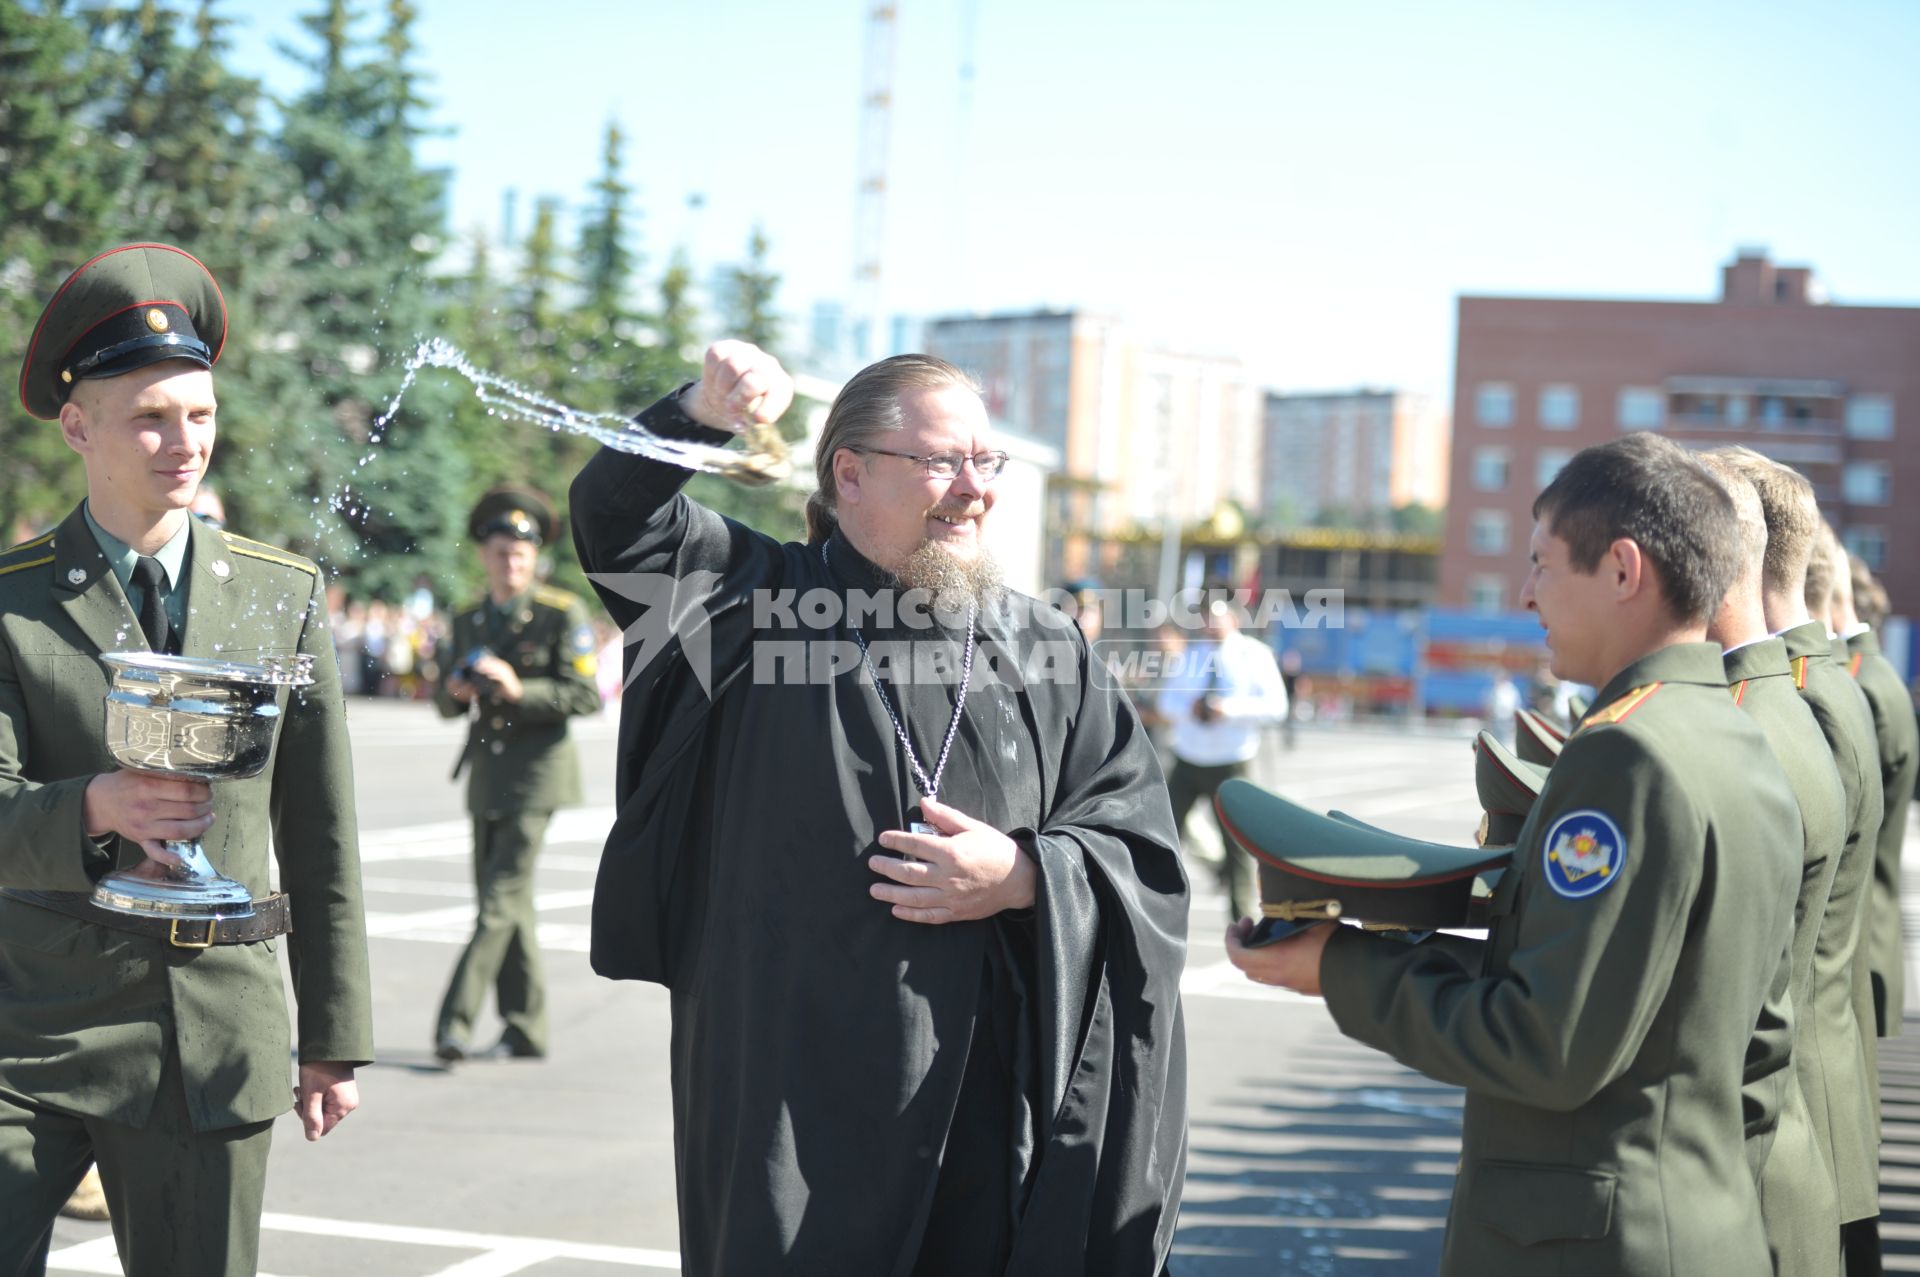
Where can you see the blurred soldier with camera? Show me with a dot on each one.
(522, 663)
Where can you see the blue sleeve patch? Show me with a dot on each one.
(1583, 853)
(581, 641)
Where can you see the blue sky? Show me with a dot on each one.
(1305, 186)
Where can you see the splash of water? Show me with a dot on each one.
(764, 460)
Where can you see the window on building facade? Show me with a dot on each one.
(1493, 404)
(1489, 532)
(1486, 593)
(1559, 407)
(1642, 408)
(1490, 469)
(1867, 483)
(1548, 463)
(1869, 543)
(1870, 417)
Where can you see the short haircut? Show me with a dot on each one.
(1648, 489)
(1748, 514)
(1792, 515)
(1869, 596)
(1819, 586)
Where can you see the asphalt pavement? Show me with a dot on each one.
(1310, 1154)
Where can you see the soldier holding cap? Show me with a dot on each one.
(1601, 1028)
(523, 662)
(159, 1051)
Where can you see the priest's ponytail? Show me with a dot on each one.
(865, 410)
(820, 520)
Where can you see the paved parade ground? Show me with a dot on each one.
(1310, 1154)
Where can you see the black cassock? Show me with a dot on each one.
(854, 1094)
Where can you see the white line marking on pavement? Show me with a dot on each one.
(500, 1255)
(432, 920)
(442, 839)
(1224, 980)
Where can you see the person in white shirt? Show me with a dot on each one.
(1231, 691)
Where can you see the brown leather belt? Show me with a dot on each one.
(271, 917)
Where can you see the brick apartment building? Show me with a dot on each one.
(1770, 364)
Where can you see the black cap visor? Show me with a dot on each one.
(124, 357)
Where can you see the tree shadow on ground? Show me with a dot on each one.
(1341, 1168)
(1900, 1149)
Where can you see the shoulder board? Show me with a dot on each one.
(553, 597)
(1853, 666)
(1740, 691)
(1618, 711)
(269, 553)
(28, 554)
(1800, 673)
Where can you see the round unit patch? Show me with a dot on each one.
(1584, 852)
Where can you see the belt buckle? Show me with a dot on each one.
(173, 934)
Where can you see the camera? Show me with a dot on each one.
(464, 669)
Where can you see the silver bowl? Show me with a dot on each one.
(201, 720)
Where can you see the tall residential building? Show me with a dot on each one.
(1770, 364)
(1360, 453)
(1144, 434)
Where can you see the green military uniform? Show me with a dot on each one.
(163, 1061)
(1881, 950)
(521, 766)
(130, 1011)
(1600, 1030)
(1847, 724)
(1804, 1076)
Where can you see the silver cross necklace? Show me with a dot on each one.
(929, 785)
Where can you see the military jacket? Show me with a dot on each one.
(1881, 951)
(1600, 1029)
(1845, 720)
(1796, 1118)
(518, 754)
(111, 1001)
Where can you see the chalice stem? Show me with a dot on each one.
(193, 860)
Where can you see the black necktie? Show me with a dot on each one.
(152, 580)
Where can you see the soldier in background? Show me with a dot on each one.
(1859, 610)
(1797, 582)
(521, 663)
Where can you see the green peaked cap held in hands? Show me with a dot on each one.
(1315, 865)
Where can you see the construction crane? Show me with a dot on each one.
(867, 300)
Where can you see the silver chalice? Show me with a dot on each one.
(199, 719)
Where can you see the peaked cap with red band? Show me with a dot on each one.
(129, 307)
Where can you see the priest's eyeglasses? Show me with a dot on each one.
(946, 465)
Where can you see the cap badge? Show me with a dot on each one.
(158, 321)
(1584, 852)
(77, 576)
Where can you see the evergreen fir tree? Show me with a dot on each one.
(59, 179)
(367, 243)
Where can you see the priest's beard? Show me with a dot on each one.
(956, 584)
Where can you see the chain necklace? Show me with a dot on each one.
(929, 785)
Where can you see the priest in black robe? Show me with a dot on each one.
(952, 1051)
